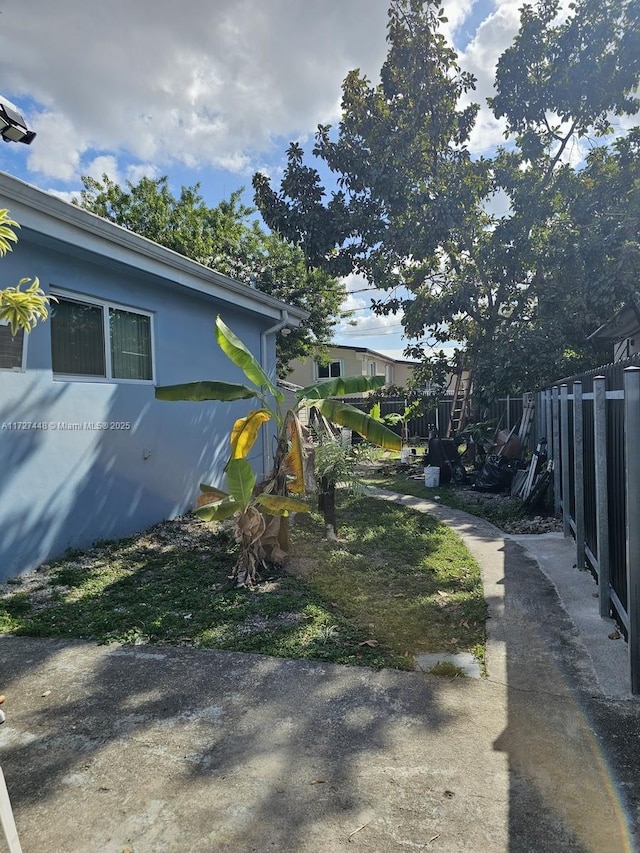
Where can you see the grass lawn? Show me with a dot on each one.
(498, 512)
(396, 583)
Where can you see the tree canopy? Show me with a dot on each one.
(228, 239)
(415, 212)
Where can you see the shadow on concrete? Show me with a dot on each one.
(168, 750)
(562, 783)
(183, 750)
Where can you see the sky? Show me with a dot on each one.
(209, 92)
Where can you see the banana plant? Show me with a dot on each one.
(261, 510)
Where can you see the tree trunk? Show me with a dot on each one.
(327, 505)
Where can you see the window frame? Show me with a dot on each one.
(105, 305)
(317, 366)
(23, 363)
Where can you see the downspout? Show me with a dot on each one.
(283, 323)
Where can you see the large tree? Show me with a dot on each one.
(413, 207)
(229, 239)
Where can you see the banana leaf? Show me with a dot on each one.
(294, 459)
(241, 481)
(234, 349)
(245, 432)
(218, 511)
(369, 429)
(339, 387)
(210, 495)
(279, 505)
(197, 391)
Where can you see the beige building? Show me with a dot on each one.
(352, 361)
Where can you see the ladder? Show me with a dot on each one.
(460, 403)
(528, 411)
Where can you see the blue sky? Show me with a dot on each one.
(208, 91)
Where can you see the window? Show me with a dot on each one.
(372, 368)
(388, 374)
(11, 348)
(329, 371)
(95, 339)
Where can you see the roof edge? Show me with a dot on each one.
(193, 275)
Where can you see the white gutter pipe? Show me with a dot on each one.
(281, 324)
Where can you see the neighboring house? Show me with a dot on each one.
(86, 451)
(623, 330)
(351, 361)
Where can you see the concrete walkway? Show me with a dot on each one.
(160, 750)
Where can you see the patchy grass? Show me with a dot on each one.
(396, 583)
(497, 509)
(447, 670)
(409, 579)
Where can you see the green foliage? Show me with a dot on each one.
(337, 463)
(7, 232)
(238, 353)
(23, 308)
(291, 471)
(518, 290)
(226, 238)
(338, 387)
(204, 390)
(20, 308)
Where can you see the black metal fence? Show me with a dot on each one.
(504, 412)
(594, 441)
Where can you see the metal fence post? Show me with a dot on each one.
(602, 489)
(632, 479)
(564, 452)
(578, 473)
(555, 449)
(547, 426)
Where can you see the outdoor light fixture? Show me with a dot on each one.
(13, 127)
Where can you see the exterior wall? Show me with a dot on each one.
(355, 363)
(403, 372)
(64, 488)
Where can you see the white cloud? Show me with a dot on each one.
(104, 165)
(211, 84)
(137, 171)
(480, 57)
(59, 147)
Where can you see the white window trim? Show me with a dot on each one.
(105, 304)
(316, 369)
(23, 363)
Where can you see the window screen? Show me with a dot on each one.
(11, 348)
(79, 347)
(77, 338)
(130, 344)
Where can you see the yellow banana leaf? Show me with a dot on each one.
(294, 459)
(245, 432)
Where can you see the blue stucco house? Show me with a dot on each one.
(86, 451)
